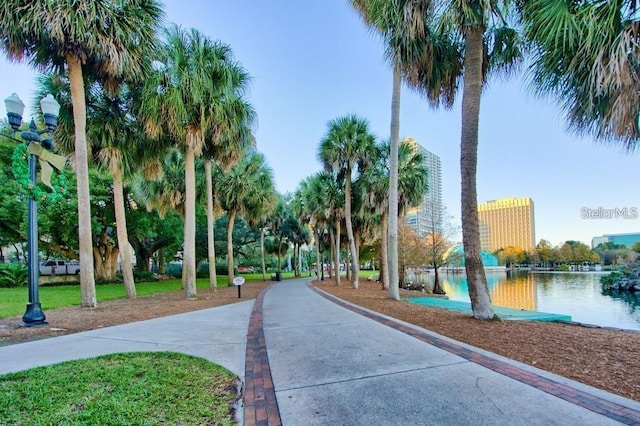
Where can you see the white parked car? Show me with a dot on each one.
(59, 267)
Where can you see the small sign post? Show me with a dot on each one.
(238, 281)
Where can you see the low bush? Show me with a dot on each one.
(13, 274)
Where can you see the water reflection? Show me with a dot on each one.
(577, 294)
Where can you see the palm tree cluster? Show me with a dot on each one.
(584, 53)
(165, 114)
(353, 190)
(152, 112)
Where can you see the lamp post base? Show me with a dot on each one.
(34, 316)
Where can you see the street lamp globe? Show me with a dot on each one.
(15, 108)
(50, 108)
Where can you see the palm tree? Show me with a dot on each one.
(414, 60)
(344, 150)
(586, 55)
(438, 43)
(182, 99)
(412, 185)
(232, 137)
(107, 40)
(112, 131)
(243, 187)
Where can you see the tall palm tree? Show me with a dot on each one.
(412, 185)
(107, 39)
(231, 137)
(182, 98)
(246, 185)
(112, 131)
(441, 42)
(344, 150)
(490, 44)
(393, 20)
(586, 54)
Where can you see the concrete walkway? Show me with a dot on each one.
(307, 359)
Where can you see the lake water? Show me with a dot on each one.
(578, 294)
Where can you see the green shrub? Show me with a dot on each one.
(13, 275)
(144, 276)
(608, 280)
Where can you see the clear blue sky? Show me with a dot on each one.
(312, 61)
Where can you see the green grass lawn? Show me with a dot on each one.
(141, 388)
(14, 300)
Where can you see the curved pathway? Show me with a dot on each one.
(314, 359)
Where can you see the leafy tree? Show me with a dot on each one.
(439, 240)
(544, 252)
(107, 40)
(510, 255)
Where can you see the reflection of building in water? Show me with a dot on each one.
(518, 293)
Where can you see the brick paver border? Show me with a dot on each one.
(593, 403)
(259, 397)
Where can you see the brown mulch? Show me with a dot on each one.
(603, 358)
(115, 312)
(606, 359)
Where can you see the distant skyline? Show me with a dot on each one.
(311, 62)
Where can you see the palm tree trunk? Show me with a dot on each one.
(211, 248)
(232, 219)
(478, 290)
(87, 280)
(318, 260)
(123, 239)
(384, 250)
(352, 243)
(394, 291)
(264, 269)
(332, 247)
(189, 249)
(336, 269)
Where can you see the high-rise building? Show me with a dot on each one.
(507, 222)
(428, 214)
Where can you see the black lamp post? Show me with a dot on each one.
(15, 107)
(322, 268)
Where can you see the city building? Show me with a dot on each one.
(428, 215)
(507, 222)
(626, 240)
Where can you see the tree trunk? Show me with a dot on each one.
(478, 290)
(394, 291)
(123, 239)
(232, 219)
(264, 269)
(318, 259)
(336, 269)
(355, 264)
(210, 224)
(332, 247)
(189, 247)
(384, 250)
(87, 280)
(160, 261)
(437, 287)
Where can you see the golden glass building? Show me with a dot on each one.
(507, 222)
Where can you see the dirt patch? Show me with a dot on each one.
(606, 359)
(115, 312)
